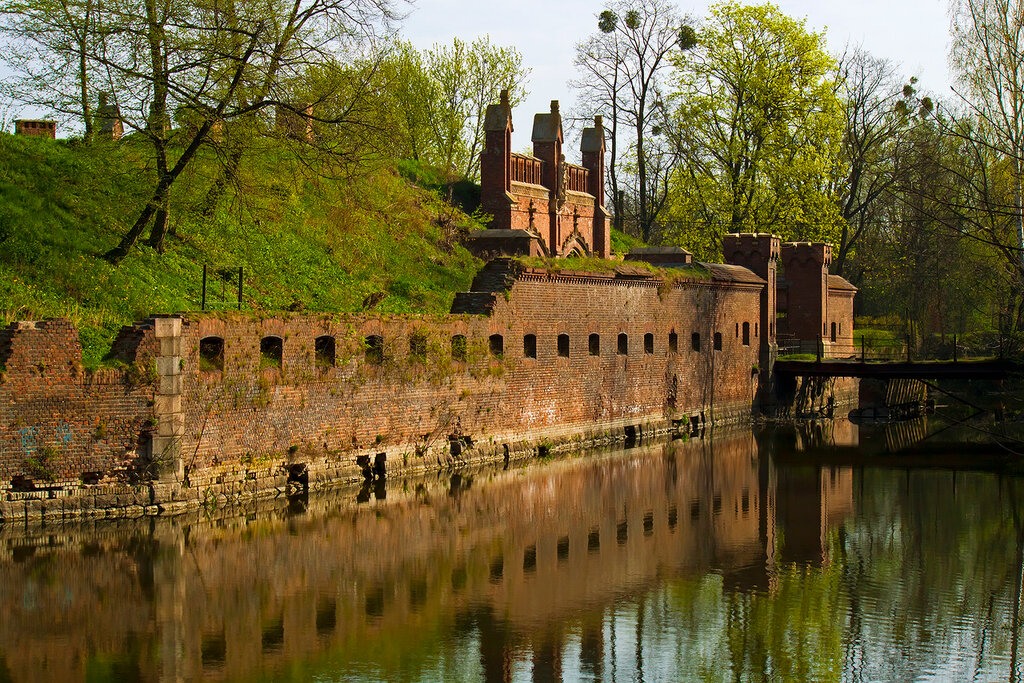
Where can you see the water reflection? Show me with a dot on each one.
(700, 560)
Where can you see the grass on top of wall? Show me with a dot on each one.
(693, 272)
(368, 241)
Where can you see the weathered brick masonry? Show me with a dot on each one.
(59, 424)
(228, 405)
(233, 400)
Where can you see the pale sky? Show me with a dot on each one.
(911, 33)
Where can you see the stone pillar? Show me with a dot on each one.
(170, 419)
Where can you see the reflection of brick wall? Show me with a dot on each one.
(545, 545)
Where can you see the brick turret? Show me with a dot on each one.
(806, 272)
(496, 164)
(759, 252)
(592, 146)
(540, 203)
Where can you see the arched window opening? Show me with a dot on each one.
(673, 341)
(271, 352)
(695, 341)
(459, 348)
(623, 345)
(497, 345)
(417, 348)
(530, 345)
(374, 349)
(648, 343)
(594, 344)
(323, 350)
(563, 346)
(211, 354)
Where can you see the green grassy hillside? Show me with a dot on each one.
(304, 242)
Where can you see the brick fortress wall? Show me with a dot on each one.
(546, 355)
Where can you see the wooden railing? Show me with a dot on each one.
(526, 169)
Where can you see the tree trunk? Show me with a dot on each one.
(227, 175)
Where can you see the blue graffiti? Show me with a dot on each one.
(28, 438)
(63, 433)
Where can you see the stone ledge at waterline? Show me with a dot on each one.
(230, 405)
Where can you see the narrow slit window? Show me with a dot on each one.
(673, 342)
(271, 352)
(648, 343)
(323, 350)
(530, 345)
(623, 345)
(718, 341)
(746, 334)
(595, 345)
(695, 341)
(563, 346)
(211, 354)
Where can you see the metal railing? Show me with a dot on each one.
(881, 349)
(207, 290)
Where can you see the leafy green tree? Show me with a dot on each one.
(467, 77)
(758, 130)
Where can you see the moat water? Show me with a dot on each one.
(724, 558)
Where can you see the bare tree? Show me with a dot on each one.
(988, 57)
(622, 67)
(47, 44)
(870, 89)
(219, 63)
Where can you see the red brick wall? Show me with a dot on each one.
(58, 421)
(246, 412)
(806, 272)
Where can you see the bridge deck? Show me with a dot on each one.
(980, 369)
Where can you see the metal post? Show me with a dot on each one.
(954, 348)
(818, 349)
(239, 287)
(863, 357)
(203, 305)
(908, 348)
